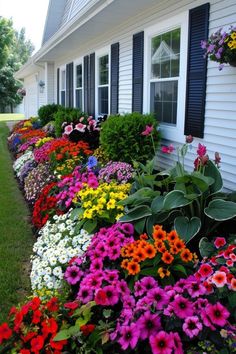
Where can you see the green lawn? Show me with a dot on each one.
(16, 237)
(4, 117)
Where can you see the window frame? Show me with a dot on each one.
(62, 69)
(78, 62)
(169, 131)
(98, 54)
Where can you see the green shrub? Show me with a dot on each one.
(46, 112)
(69, 115)
(121, 138)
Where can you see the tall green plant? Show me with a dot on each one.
(66, 115)
(192, 203)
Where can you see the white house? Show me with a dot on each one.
(115, 56)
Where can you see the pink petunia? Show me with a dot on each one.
(182, 307)
(233, 284)
(68, 129)
(192, 326)
(148, 130)
(129, 336)
(205, 270)
(80, 127)
(219, 279)
(217, 313)
(161, 343)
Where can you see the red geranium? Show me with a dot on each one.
(5, 332)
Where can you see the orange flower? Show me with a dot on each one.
(174, 250)
(124, 263)
(160, 246)
(150, 251)
(157, 227)
(172, 236)
(133, 268)
(130, 250)
(159, 235)
(140, 254)
(179, 244)
(186, 255)
(162, 272)
(167, 257)
(143, 237)
(123, 252)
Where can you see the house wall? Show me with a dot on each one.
(220, 115)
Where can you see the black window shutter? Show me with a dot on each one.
(58, 86)
(69, 85)
(137, 74)
(196, 72)
(86, 83)
(91, 109)
(114, 78)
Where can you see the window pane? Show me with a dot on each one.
(79, 76)
(165, 51)
(164, 101)
(104, 70)
(63, 80)
(63, 98)
(78, 99)
(103, 100)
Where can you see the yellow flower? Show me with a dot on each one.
(88, 214)
(111, 204)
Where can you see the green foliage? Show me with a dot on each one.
(189, 202)
(69, 115)
(46, 112)
(6, 38)
(121, 137)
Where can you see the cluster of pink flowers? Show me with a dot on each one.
(42, 153)
(70, 185)
(167, 317)
(84, 123)
(121, 172)
(30, 143)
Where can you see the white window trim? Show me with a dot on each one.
(169, 132)
(79, 62)
(98, 54)
(62, 68)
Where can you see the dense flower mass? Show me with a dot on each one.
(118, 171)
(57, 243)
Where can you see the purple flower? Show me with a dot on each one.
(195, 289)
(129, 336)
(192, 326)
(85, 294)
(92, 162)
(148, 283)
(148, 324)
(178, 347)
(111, 294)
(159, 297)
(182, 307)
(73, 274)
(161, 343)
(127, 228)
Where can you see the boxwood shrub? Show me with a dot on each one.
(121, 137)
(46, 112)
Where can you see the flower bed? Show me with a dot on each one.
(114, 268)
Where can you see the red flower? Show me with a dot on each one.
(101, 297)
(71, 305)
(24, 351)
(219, 242)
(37, 343)
(205, 270)
(18, 320)
(5, 332)
(52, 304)
(36, 316)
(58, 344)
(167, 149)
(87, 329)
(35, 303)
(49, 326)
(28, 336)
(201, 151)
(148, 130)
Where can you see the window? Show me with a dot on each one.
(63, 87)
(103, 85)
(164, 76)
(79, 86)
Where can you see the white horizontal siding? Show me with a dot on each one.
(66, 13)
(220, 115)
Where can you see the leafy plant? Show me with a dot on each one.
(66, 115)
(46, 112)
(191, 202)
(121, 137)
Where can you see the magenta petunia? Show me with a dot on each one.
(182, 307)
(111, 294)
(219, 242)
(73, 274)
(178, 347)
(148, 324)
(161, 343)
(129, 336)
(192, 326)
(159, 297)
(218, 314)
(85, 294)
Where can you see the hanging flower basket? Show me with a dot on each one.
(21, 92)
(221, 47)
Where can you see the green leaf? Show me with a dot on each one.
(157, 204)
(212, 171)
(221, 210)
(76, 213)
(161, 217)
(186, 228)
(143, 194)
(63, 334)
(139, 225)
(201, 181)
(175, 199)
(148, 271)
(90, 225)
(150, 221)
(179, 268)
(136, 213)
(205, 247)
(232, 299)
